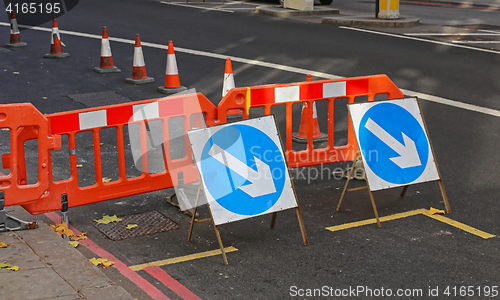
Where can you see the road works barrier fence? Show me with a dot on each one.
(366, 88)
(44, 193)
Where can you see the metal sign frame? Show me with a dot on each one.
(359, 156)
(233, 217)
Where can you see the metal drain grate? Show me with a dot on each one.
(148, 223)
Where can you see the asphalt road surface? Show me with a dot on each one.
(411, 257)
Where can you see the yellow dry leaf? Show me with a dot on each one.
(108, 219)
(3, 245)
(130, 226)
(13, 268)
(74, 243)
(79, 166)
(4, 264)
(61, 229)
(433, 211)
(68, 232)
(107, 263)
(104, 261)
(95, 261)
(104, 180)
(81, 236)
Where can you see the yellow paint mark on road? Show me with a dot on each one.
(182, 258)
(462, 226)
(374, 221)
(422, 211)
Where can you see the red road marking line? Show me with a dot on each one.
(142, 283)
(171, 283)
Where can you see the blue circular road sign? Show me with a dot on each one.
(394, 143)
(243, 169)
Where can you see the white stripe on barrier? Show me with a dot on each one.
(138, 57)
(334, 89)
(92, 119)
(171, 65)
(146, 111)
(286, 93)
(105, 48)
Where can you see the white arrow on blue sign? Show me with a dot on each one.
(393, 142)
(243, 169)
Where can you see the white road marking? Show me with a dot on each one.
(448, 34)
(476, 42)
(193, 6)
(420, 40)
(453, 103)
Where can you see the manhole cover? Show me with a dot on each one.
(147, 223)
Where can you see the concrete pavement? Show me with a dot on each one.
(49, 267)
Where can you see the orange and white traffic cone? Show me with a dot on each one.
(55, 43)
(306, 123)
(227, 85)
(139, 75)
(15, 35)
(106, 65)
(172, 82)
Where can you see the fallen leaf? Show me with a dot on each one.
(3, 245)
(79, 166)
(15, 73)
(104, 261)
(433, 211)
(44, 97)
(95, 261)
(107, 263)
(62, 229)
(130, 226)
(106, 180)
(13, 268)
(80, 236)
(74, 243)
(32, 225)
(108, 219)
(4, 264)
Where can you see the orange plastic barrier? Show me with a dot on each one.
(267, 96)
(26, 123)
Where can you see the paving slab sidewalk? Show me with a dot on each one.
(49, 267)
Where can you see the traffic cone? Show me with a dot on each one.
(15, 35)
(106, 65)
(301, 136)
(172, 82)
(139, 75)
(227, 85)
(55, 43)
